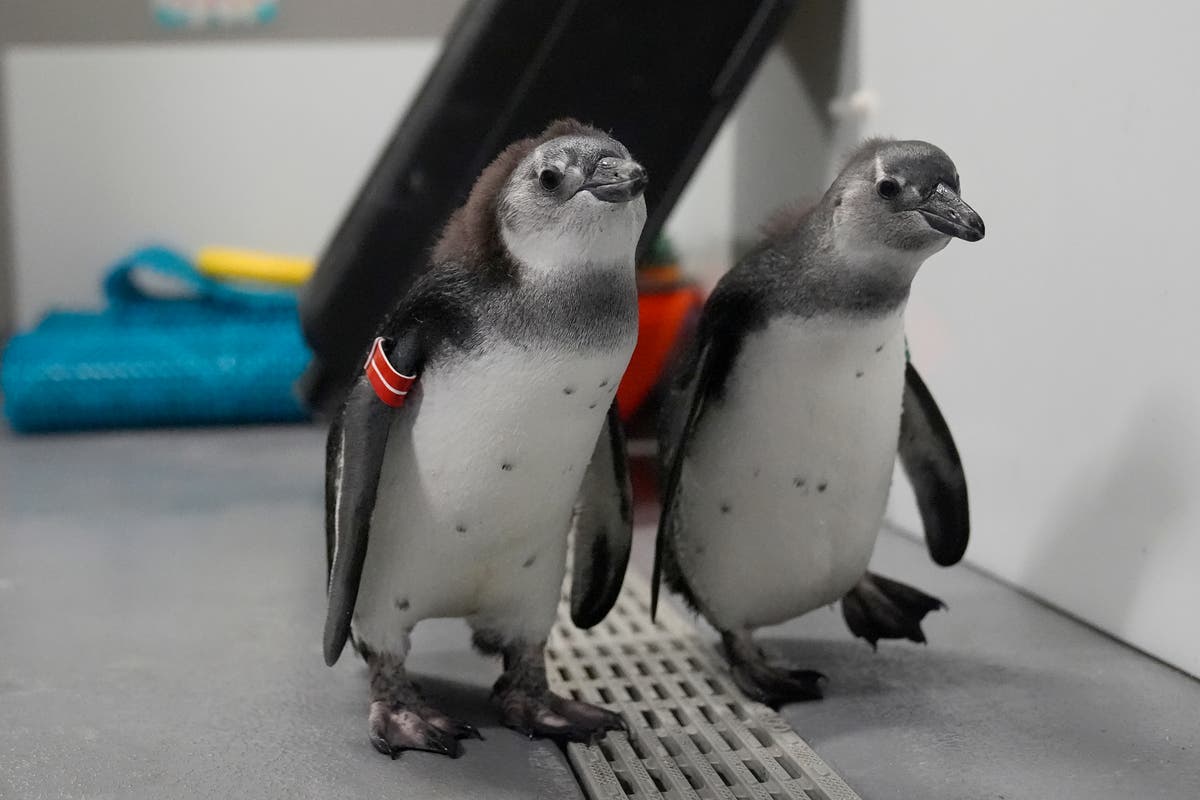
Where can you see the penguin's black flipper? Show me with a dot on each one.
(931, 461)
(734, 307)
(354, 458)
(603, 527)
(673, 444)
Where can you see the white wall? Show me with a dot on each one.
(1062, 346)
(257, 146)
(701, 225)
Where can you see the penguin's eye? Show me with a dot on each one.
(888, 188)
(550, 179)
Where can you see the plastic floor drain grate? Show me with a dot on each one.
(693, 734)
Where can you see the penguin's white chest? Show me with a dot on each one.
(477, 488)
(785, 483)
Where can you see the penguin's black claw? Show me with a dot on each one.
(396, 727)
(545, 714)
(468, 731)
(774, 686)
(808, 675)
(768, 684)
(881, 608)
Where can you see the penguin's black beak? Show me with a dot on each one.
(616, 180)
(946, 213)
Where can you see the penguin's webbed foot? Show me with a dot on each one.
(774, 686)
(767, 683)
(543, 713)
(397, 726)
(528, 706)
(881, 608)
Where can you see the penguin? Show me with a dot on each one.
(483, 423)
(780, 430)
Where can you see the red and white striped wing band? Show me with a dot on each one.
(389, 383)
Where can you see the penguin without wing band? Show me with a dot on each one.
(779, 435)
(484, 417)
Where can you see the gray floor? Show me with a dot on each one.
(1009, 700)
(160, 612)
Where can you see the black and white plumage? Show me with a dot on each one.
(779, 436)
(459, 503)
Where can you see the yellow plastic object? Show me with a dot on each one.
(226, 263)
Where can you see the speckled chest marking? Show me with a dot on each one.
(785, 482)
(477, 487)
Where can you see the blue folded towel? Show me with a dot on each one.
(172, 347)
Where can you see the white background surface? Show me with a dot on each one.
(1062, 346)
(253, 146)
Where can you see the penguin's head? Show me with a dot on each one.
(570, 196)
(575, 196)
(902, 198)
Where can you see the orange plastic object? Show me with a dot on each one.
(663, 312)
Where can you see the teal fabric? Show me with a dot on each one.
(171, 347)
